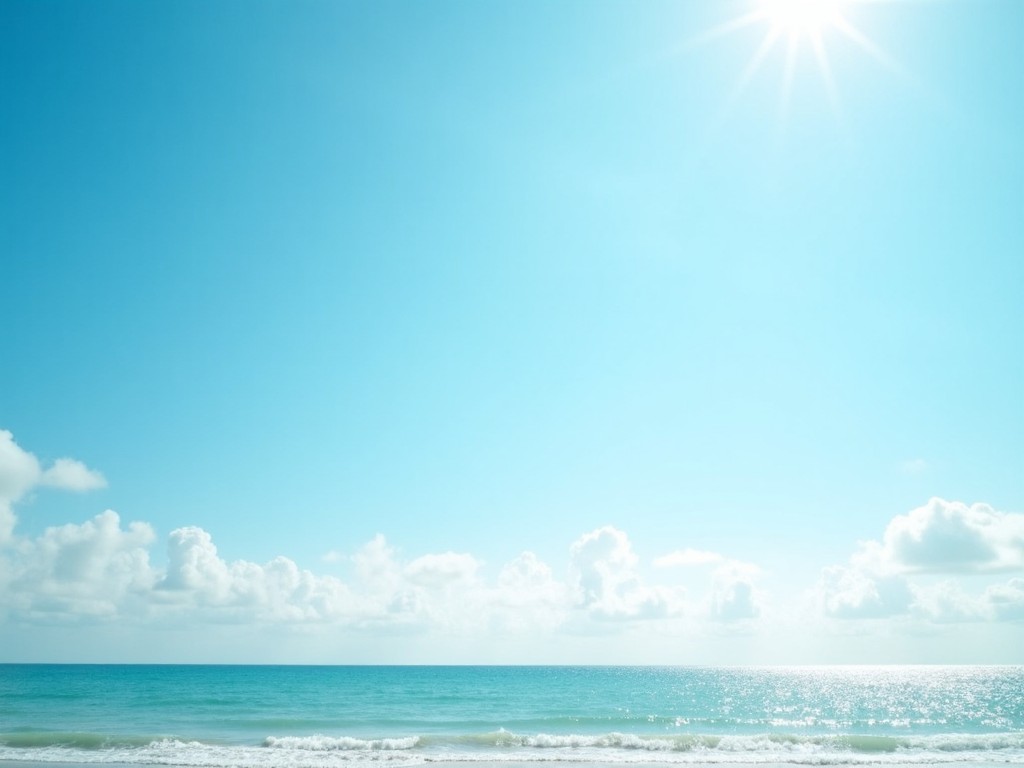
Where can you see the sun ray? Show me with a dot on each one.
(805, 25)
(826, 75)
(767, 44)
(727, 28)
(852, 33)
(788, 72)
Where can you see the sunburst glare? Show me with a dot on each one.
(800, 17)
(795, 26)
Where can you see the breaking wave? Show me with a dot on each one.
(324, 751)
(331, 743)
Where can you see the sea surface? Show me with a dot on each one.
(318, 717)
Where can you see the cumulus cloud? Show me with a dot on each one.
(94, 569)
(198, 578)
(102, 569)
(19, 469)
(857, 593)
(603, 568)
(941, 537)
(949, 536)
(734, 595)
(529, 580)
(376, 564)
(20, 472)
(72, 475)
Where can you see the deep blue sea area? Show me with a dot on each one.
(313, 717)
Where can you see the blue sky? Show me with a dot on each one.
(593, 281)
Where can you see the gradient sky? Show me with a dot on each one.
(375, 297)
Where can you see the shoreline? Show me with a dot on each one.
(448, 763)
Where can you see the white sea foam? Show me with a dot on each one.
(321, 743)
(323, 751)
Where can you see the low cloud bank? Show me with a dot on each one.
(101, 569)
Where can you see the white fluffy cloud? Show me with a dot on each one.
(941, 537)
(857, 593)
(735, 596)
(198, 579)
(72, 475)
(97, 568)
(19, 469)
(102, 569)
(949, 537)
(603, 568)
(527, 592)
(20, 472)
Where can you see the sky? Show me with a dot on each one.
(588, 331)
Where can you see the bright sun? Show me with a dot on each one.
(805, 18)
(796, 26)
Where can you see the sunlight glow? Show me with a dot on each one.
(801, 25)
(801, 17)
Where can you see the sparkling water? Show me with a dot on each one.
(317, 717)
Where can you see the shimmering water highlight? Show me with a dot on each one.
(318, 717)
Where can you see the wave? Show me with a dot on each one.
(761, 744)
(323, 751)
(331, 743)
(72, 740)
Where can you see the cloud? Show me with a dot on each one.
(20, 472)
(197, 578)
(94, 569)
(19, 469)
(734, 596)
(734, 601)
(442, 570)
(1006, 601)
(947, 603)
(102, 569)
(603, 568)
(376, 566)
(951, 537)
(193, 564)
(855, 593)
(941, 537)
(528, 580)
(72, 475)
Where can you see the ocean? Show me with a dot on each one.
(319, 717)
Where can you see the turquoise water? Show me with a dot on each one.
(317, 717)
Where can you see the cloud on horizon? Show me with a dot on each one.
(101, 570)
(942, 537)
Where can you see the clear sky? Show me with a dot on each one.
(512, 331)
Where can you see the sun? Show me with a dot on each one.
(797, 28)
(800, 18)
